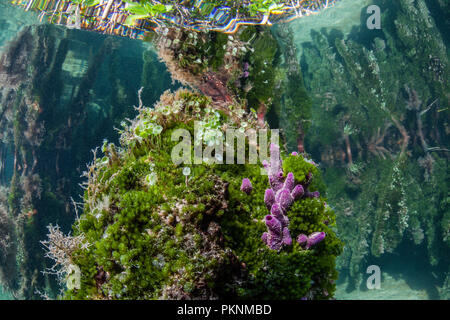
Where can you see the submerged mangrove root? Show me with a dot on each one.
(393, 87)
(158, 229)
(48, 123)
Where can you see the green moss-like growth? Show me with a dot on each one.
(154, 232)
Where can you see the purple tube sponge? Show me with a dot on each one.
(274, 237)
(265, 237)
(269, 198)
(279, 199)
(289, 182)
(309, 241)
(302, 240)
(285, 199)
(246, 186)
(276, 181)
(274, 168)
(273, 224)
(287, 240)
(278, 214)
(298, 192)
(315, 238)
(277, 236)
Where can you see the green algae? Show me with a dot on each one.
(199, 238)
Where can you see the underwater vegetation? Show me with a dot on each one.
(380, 130)
(148, 228)
(279, 199)
(372, 106)
(54, 108)
(153, 229)
(8, 244)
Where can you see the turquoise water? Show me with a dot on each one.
(5, 295)
(369, 89)
(410, 269)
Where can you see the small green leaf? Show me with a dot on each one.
(130, 21)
